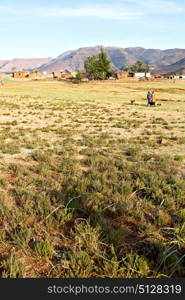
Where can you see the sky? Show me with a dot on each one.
(47, 28)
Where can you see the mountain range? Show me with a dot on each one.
(17, 64)
(160, 61)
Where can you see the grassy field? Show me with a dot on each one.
(91, 186)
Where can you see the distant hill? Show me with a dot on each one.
(157, 59)
(165, 61)
(18, 64)
(3, 62)
(177, 67)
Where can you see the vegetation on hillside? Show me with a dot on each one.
(139, 66)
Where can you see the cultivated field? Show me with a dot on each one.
(91, 186)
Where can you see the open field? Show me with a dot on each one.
(91, 186)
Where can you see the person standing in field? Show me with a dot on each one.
(149, 97)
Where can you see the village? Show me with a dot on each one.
(71, 76)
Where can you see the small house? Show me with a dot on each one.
(139, 75)
(35, 74)
(68, 75)
(57, 75)
(64, 75)
(142, 74)
(121, 75)
(179, 76)
(158, 76)
(20, 74)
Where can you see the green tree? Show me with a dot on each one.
(139, 66)
(104, 64)
(91, 67)
(98, 66)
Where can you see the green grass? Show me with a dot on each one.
(91, 186)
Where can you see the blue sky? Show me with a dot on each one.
(41, 28)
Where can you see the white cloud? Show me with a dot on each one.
(120, 10)
(103, 12)
(156, 6)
